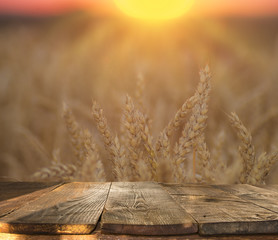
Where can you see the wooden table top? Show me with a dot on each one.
(137, 210)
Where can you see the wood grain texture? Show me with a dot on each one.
(144, 208)
(270, 187)
(14, 195)
(183, 189)
(262, 197)
(73, 208)
(99, 236)
(15, 189)
(219, 212)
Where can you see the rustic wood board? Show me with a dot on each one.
(270, 187)
(14, 195)
(144, 208)
(190, 189)
(219, 212)
(73, 208)
(10, 190)
(99, 236)
(262, 197)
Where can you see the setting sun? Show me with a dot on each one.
(155, 9)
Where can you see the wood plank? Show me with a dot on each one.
(99, 236)
(219, 212)
(270, 187)
(184, 189)
(14, 195)
(144, 208)
(262, 197)
(15, 189)
(73, 208)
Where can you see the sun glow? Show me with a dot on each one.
(154, 9)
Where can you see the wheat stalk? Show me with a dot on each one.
(76, 135)
(195, 126)
(206, 167)
(217, 162)
(262, 168)
(111, 144)
(92, 169)
(246, 148)
(133, 134)
(217, 150)
(165, 161)
(57, 172)
(121, 166)
(148, 143)
(176, 122)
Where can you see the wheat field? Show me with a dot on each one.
(103, 99)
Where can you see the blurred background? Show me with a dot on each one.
(73, 51)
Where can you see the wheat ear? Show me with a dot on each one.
(164, 167)
(262, 168)
(76, 135)
(246, 148)
(195, 126)
(92, 169)
(218, 164)
(116, 165)
(133, 134)
(106, 135)
(176, 122)
(205, 166)
(121, 166)
(56, 172)
(147, 141)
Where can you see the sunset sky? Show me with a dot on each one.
(107, 7)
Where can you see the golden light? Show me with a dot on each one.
(154, 9)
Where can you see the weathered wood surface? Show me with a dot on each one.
(15, 189)
(14, 195)
(262, 197)
(73, 208)
(270, 187)
(144, 209)
(219, 212)
(99, 236)
(137, 208)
